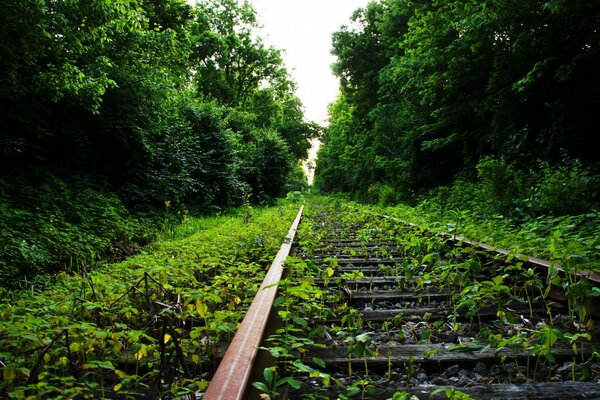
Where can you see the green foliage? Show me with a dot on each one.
(569, 188)
(296, 180)
(265, 164)
(430, 89)
(145, 103)
(193, 157)
(232, 62)
(501, 188)
(60, 224)
(146, 327)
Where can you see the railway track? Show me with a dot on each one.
(370, 307)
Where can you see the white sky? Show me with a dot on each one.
(303, 28)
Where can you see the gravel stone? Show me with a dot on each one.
(423, 378)
(439, 380)
(496, 370)
(464, 381)
(480, 368)
(565, 370)
(451, 371)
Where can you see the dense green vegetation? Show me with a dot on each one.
(492, 95)
(314, 315)
(148, 327)
(153, 325)
(122, 119)
(112, 111)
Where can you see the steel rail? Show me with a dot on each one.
(534, 261)
(231, 378)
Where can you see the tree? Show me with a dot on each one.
(432, 87)
(231, 62)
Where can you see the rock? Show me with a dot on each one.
(464, 381)
(440, 381)
(422, 378)
(451, 337)
(382, 382)
(566, 370)
(451, 371)
(521, 378)
(480, 368)
(496, 370)
(510, 367)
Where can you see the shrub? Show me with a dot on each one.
(383, 195)
(296, 180)
(501, 188)
(569, 188)
(54, 225)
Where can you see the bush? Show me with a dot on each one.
(501, 188)
(57, 225)
(296, 180)
(569, 188)
(383, 195)
(265, 164)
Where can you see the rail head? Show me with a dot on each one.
(533, 261)
(231, 378)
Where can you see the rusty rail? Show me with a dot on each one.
(533, 261)
(231, 378)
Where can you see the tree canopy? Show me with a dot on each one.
(430, 88)
(152, 101)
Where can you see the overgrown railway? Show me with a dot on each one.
(371, 307)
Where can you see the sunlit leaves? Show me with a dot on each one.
(124, 326)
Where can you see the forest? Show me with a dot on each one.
(118, 117)
(485, 105)
(150, 167)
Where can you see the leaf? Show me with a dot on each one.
(319, 361)
(142, 352)
(118, 387)
(465, 347)
(260, 386)
(290, 381)
(202, 384)
(201, 308)
(363, 338)
(300, 321)
(74, 347)
(106, 365)
(196, 332)
(269, 375)
(301, 367)
(9, 374)
(352, 391)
